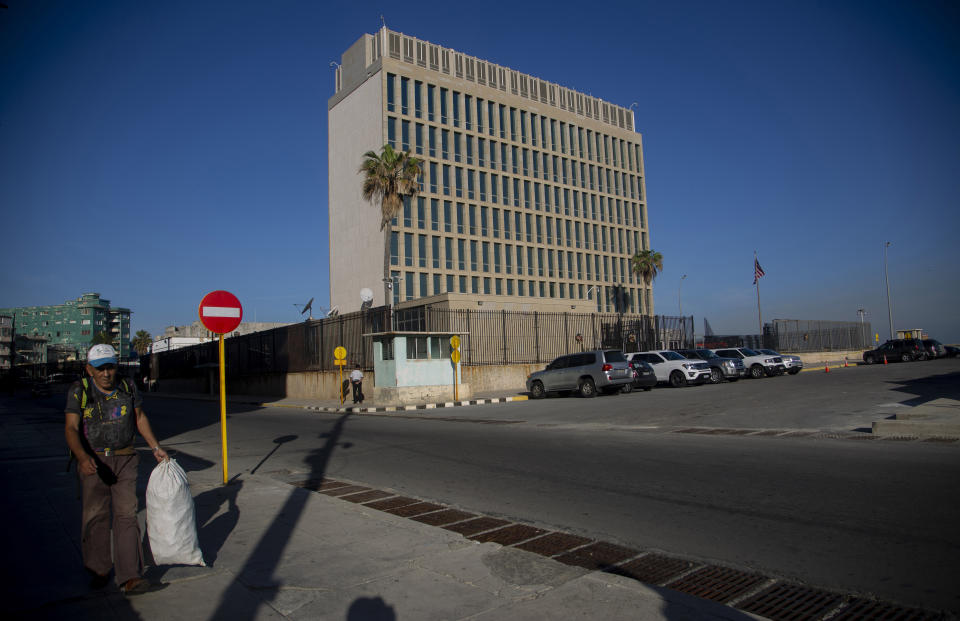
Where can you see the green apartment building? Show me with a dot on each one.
(69, 327)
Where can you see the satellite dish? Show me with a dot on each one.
(307, 307)
(366, 296)
(334, 311)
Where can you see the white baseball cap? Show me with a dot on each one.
(100, 355)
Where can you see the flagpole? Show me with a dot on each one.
(756, 281)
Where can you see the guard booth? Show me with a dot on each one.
(415, 367)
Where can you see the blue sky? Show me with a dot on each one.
(153, 152)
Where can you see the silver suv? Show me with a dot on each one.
(605, 370)
(757, 364)
(730, 369)
(792, 364)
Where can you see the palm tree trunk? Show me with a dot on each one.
(387, 281)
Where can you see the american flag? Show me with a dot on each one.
(757, 270)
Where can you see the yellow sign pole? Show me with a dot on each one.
(223, 409)
(455, 357)
(341, 384)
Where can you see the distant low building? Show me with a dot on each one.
(71, 326)
(175, 337)
(6, 343)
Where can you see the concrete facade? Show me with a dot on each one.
(530, 191)
(73, 324)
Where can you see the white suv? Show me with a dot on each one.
(671, 367)
(757, 364)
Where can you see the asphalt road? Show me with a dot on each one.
(870, 516)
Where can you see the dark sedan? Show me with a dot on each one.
(643, 376)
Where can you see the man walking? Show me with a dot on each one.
(356, 378)
(103, 413)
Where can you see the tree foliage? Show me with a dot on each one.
(388, 176)
(141, 342)
(647, 264)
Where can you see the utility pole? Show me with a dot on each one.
(886, 276)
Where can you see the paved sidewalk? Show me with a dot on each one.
(277, 551)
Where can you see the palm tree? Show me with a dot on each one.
(387, 178)
(647, 264)
(141, 342)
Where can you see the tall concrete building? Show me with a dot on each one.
(532, 195)
(69, 327)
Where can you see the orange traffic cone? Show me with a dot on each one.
(844, 362)
(884, 359)
(826, 368)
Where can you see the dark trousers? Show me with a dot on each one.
(358, 392)
(98, 500)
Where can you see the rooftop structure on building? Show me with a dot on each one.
(197, 330)
(70, 327)
(532, 195)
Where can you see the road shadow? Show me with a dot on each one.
(931, 387)
(261, 565)
(370, 609)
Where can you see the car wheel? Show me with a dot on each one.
(904, 357)
(627, 388)
(588, 388)
(869, 359)
(715, 376)
(677, 380)
(648, 388)
(793, 371)
(756, 371)
(537, 391)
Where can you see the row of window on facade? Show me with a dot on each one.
(437, 175)
(432, 103)
(413, 285)
(516, 226)
(488, 74)
(545, 263)
(612, 211)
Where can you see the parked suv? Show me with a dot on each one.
(903, 350)
(793, 364)
(757, 364)
(720, 368)
(933, 348)
(671, 367)
(605, 370)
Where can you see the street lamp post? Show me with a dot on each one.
(863, 335)
(679, 289)
(886, 276)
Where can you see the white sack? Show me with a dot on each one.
(171, 523)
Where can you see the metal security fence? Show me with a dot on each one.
(488, 337)
(802, 335)
(510, 337)
(799, 336)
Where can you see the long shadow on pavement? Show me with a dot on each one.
(267, 554)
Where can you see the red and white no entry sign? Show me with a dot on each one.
(220, 312)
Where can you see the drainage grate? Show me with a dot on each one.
(447, 516)
(417, 508)
(720, 584)
(361, 497)
(942, 439)
(346, 489)
(791, 602)
(392, 503)
(316, 485)
(509, 535)
(653, 568)
(553, 543)
(476, 525)
(866, 609)
(597, 555)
